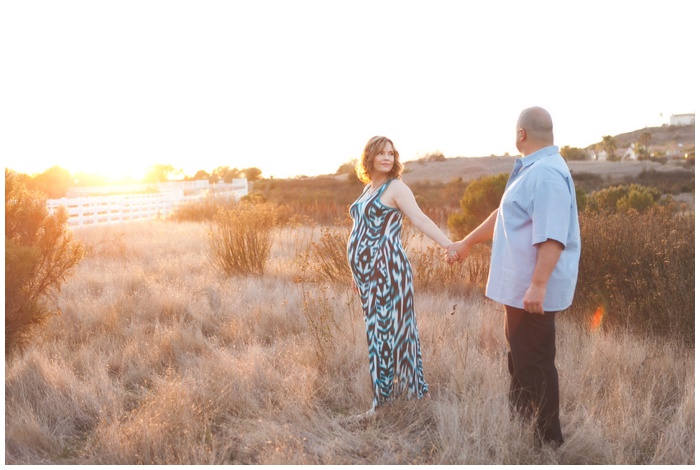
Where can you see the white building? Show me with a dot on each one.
(630, 153)
(682, 119)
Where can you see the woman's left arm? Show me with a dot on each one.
(404, 199)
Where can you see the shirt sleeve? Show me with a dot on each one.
(551, 210)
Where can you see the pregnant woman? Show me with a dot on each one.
(382, 273)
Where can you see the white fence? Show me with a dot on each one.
(116, 208)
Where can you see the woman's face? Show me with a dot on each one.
(384, 161)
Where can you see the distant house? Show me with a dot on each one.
(682, 119)
(675, 152)
(630, 153)
(598, 155)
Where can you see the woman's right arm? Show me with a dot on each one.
(405, 200)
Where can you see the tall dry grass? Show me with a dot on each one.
(159, 358)
(241, 238)
(640, 270)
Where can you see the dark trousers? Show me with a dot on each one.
(534, 385)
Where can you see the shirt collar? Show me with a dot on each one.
(539, 155)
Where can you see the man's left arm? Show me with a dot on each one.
(548, 253)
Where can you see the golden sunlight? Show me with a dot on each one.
(109, 171)
(119, 171)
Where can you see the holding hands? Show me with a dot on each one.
(484, 232)
(456, 252)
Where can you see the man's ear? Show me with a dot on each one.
(522, 135)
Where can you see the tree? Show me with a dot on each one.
(201, 175)
(347, 167)
(252, 174)
(218, 173)
(54, 182)
(641, 151)
(233, 174)
(159, 173)
(225, 174)
(643, 147)
(481, 197)
(609, 144)
(573, 153)
(39, 255)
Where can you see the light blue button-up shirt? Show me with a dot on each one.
(539, 203)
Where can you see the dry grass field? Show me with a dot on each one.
(159, 358)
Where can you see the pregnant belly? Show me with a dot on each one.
(360, 259)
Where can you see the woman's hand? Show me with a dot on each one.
(456, 252)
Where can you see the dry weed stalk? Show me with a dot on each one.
(330, 255)
(241, 238)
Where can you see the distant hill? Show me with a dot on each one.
(469, 168)
(661, 137)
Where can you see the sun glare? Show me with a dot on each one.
(116, 172)
(597, 319)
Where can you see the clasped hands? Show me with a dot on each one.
(533, 302)
(455, 253)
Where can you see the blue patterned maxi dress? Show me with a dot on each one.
(384, 278)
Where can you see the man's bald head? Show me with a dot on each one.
(538, 130)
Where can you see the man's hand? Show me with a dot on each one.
(533, 302)
(460, 250)
(456, 252)
(548, 253)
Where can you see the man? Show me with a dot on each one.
(534, 267)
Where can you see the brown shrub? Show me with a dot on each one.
(329, 254)
(39, 255)
(241, 238)
(640, 269)
(202, 210)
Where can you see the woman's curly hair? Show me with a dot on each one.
(372, 149)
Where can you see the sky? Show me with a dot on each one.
(298, 87)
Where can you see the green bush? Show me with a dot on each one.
(573, 153)
(622, 198)
(241, 238)
(481, 197)
(639, 201)
(39, 256)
